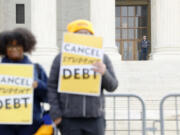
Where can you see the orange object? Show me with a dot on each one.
(45, 130)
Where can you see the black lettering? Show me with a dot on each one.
(92, 52)
(97, 53)
(10, 80)
(17, 81)
(76, 74)
(80, 50)
(7, 103)
(73, 49)
(17, 103)
(67, 73)
(66, 47)
(88, 51)
(25, 102)
(3, 80)
(85, 73)
(22, 81)
(27, 82)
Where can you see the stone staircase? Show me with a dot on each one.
(148, 79)
(151, 80)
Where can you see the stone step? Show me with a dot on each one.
(151, 80)
(135, 127)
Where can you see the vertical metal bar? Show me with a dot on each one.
(143, 117)
(114, 116)
(162, 116)
(154, 127)
(128, 117)
(177, 122)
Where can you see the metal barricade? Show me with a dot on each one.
(170, 123)
(133, 119)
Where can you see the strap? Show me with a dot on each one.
(37, 66)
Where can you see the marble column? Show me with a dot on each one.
(1, 15)
(103, 18)
(70, 10)
(44, 27)
(165, 29)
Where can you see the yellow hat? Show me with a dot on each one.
(79, 25)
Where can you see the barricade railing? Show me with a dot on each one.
(173, 115)
(122, 119)
(134, 112)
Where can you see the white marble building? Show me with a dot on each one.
(151, 79)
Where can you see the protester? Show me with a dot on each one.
(13, 46)
(79, 114)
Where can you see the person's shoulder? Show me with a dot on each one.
(38, 65)
(58, 56)
(105, 56)
(39, 68)
(57, 59)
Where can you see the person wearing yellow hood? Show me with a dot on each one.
(79, 114)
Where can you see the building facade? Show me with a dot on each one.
(121, 23)
(132, 23)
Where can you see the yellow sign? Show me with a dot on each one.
(16, 93)
(77, 76)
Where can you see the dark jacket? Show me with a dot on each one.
(75, 106)
(40, 93)
(145, 44)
